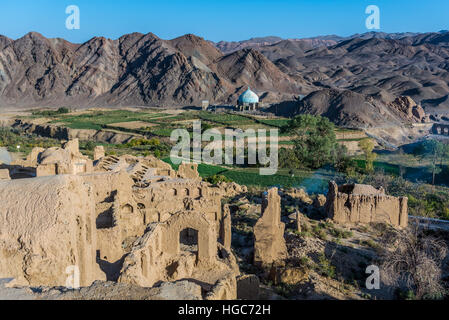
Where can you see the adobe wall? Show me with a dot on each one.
(348, 207)
(183, 194)
(188, 171)
(269, 242)
(65, 160)
(129, 213)
(118, 218)
(157, 256)
(46, 225)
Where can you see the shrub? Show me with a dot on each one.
(325, 267)
(217, 178)
(63, 110)
(413, 261)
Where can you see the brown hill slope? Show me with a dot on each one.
(415, 66)
(351, 109)
(135, 69)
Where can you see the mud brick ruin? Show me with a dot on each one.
(357, 203)
(126, 219)
(269, 244)
(135, 220)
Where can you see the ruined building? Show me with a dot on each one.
(46, 162)
(269, 242)
(357, 203)
(127, 219)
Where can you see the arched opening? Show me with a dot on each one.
(127, 209)
(188, 240)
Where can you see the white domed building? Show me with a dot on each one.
(248, 100)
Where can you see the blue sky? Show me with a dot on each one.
(219, 20)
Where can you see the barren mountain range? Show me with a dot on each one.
(142, 69)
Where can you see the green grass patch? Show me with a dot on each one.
(274, 122)
(98, 119)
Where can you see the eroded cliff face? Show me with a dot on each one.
(365, 204)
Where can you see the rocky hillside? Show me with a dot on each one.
(383, 67)
(351, 109)
(260, 43)
(142, 69)
(136, 69)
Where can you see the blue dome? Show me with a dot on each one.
(248, 97)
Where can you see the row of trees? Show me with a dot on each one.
(315, 144)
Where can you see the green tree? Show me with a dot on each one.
(437, 152)
(367, 146)
(90, 145)
(288, 159)
(342, 161)
(63, 110)
(314, 140)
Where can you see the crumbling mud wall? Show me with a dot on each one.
(269, 242)
(118, 218)
(65, 160)
(188, 171)
(99, 153)
(129, 219)
(184, 194)
(356, 203)
(162, 254)
(47, 162)
(46, 225)
(63, 133)
(142, 170)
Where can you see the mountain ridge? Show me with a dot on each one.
(144, 70)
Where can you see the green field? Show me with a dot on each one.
(275, 122)
(97, 120)
(251, 177)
